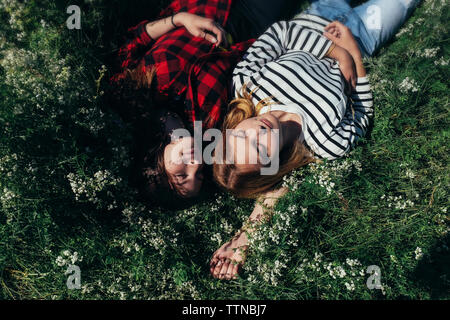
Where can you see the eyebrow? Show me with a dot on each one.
(244, 135)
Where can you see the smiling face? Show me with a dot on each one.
(183, 170)
(253, 142)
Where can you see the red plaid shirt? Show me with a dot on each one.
(186, 64)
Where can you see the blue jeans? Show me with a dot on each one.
(372, 23)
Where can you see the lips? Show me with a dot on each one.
(188, 151)
(267, 123)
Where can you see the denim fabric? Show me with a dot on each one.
(372, 23)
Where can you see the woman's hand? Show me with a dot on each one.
(346, 65)
(343, 37)
(202, 27)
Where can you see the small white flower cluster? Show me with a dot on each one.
(336, 271)
(434, 7)
(409, 27)
(271, 273)
(293, 180)
(7, 196)
(380, 84)
(67, 258)
(8, 164)
(130, 211)
(84, 187)
(157, 235)
(350, 285)
(408, 85)
(126, 246)
(418, 253)
(410, 174)
(441, 62)
(92, 119)
(266, 235)
(225, 226)
(171, 290)
(16, 11)
(353, 262)
(324, 175)
(217, 238)
(428, 53)
(24, 72)
(352, 272)
(398, 202)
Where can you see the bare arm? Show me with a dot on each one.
(259, 213)
(196, 25)
(156, 29)
(342, 36)
(227, 260)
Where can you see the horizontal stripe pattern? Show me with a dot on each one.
(287, 64)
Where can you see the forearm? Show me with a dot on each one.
(360, 70)
(158, 28)
(259, 213)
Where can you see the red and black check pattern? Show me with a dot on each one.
(186, 64)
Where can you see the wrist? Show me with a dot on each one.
(356, 56)
(177, 19)
(338, 53)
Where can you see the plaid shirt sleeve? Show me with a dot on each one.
(137, 41)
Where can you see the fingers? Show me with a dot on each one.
(330, 36)
(335, 24)
(213, 263)
(335, 32)
(210, 38)
(213, 32)
(229, 274)
(213, 27)
(217, 269)
(220, 271)
(225, 269)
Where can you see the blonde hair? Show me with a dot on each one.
(251, 184)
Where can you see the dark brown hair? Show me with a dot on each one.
(132, 97)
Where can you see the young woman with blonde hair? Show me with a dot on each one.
(181, 65)
(305, 80)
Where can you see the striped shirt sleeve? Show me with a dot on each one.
(354, 124)
(280, 38)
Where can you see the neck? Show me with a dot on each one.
(291, 127)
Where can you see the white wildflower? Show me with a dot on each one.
(428, 53)
(350, 286)
(418, 252)
(441, 62)
(408, 85)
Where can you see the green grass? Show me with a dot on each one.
(385, 204)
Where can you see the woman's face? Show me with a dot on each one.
(184, 172)
(253, 141)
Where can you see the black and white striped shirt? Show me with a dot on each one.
(287, 65)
